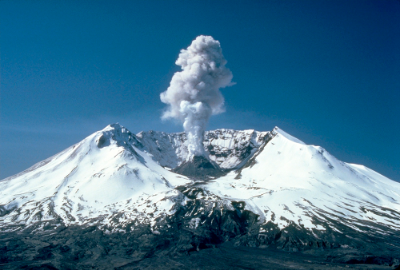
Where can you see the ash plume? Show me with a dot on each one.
(193, 95)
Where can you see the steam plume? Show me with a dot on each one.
(193, 95)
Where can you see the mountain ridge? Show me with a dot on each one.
(275, 191)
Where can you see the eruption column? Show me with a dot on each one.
(193, 95)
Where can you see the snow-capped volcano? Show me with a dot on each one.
(263, 189)
(107, 172)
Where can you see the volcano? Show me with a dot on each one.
(133, 201)
(199, 168)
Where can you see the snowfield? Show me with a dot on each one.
(295, 182)
(107, 172)
(113, 178)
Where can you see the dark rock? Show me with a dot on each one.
(199, 168)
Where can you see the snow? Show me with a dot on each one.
(291, 179)
(170, 150)
(286, 135)
(114, 171)
(88, 180)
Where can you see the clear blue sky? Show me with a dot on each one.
(327, 72)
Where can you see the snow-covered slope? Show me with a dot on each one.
(274, 188)
(291, 182)
(106, 173)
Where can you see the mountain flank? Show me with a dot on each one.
(136, 201)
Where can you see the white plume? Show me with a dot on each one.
(193, 95)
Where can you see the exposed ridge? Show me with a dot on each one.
(259, 189)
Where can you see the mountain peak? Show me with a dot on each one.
(286, 135)
(115, 126)
(261, 189)
(116, 133)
